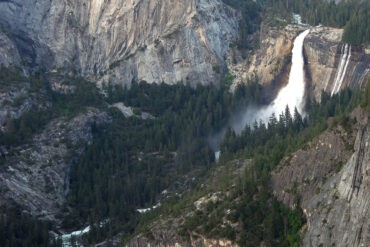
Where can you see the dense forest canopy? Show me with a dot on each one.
(352, 15)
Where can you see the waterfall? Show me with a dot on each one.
(342, 69)
(292, 94)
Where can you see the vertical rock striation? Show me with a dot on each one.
(332, 65)
(340, 214)
(117, 41)
(335, 199)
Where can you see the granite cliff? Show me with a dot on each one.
(329, 180)
(118, 41)
(35, 175)
(333, 65)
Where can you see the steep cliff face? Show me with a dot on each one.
(331, 184)
(35, 175)
(8, 52)
(332, 65)
(271, 61)
(340, 214)
(299, 176)
(118, 41)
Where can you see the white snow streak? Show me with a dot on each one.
(342, 69)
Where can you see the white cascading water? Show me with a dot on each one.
(292, 94)
(342, 69)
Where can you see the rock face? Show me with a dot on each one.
(270, 60)
(17, 98)
(299, 176)
(340, 214)
(35, 175)
(170, 239)
(336, 200)
(332, 65)
(117, 41)
(8, 52)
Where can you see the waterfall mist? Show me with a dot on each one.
(292, 95)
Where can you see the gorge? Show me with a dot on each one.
(106, 108)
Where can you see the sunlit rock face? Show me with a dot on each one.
(117, 41)
(270, 60)
(333, 65)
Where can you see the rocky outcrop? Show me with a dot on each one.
(332, 65)
(35, 175)
(117, 41)
(331, 184)
(8, 52)
(299, 176)
(165, 235)
(165, 232)
(340, 214)
(17, 97)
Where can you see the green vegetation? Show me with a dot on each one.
(366, 100)
(249, 23)
(18, 229)
(352, 15)
(20, 130)
(132, 160)
(356, 30)
(251, 203)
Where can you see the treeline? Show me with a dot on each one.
(250, 202)
(366, 100)
(20, 130)
(18, 229)
(132, 160)
(352, 15)
(292, 126)
(251, 13)
(357, 29)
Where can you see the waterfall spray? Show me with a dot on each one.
(292, 94)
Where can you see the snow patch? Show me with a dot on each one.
(146, 210)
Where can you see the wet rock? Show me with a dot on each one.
(324, 51)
